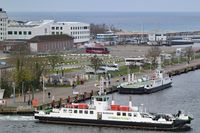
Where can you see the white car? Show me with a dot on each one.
(92, 71)
(113, 67)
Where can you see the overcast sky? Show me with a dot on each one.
(101, 5)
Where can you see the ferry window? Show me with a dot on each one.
(10, 33)
(53, 28)
(57, 28)
(129, 114)
(29, 32)
(135, 115)
(25, 32)
(99, 99)
(52, 33)
(91, 112)
(86, 112)
(70, 111)
(80, 111)
(75, 111)
(118, 113)
(123, 114)
(61, 28)
(20, 32)
(85, 27)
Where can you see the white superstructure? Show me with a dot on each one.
(3, 24)
(80, 31)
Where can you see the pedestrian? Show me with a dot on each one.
(73, 86)
(49, 94)
(124, 79)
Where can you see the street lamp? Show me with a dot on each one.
(43, 90)
(13, 84)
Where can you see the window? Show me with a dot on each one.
(57, 28)
(52, 33)
(15, 32)
(53, 28)
(71, 28)
(61, 33)
(70, 111)
(91, 112)
(85, 27)
(29, 33)
(135, 115)
(20, 33)
(129, 114)
(25, 33)
(61, 28)
(123, 114)
(57, 33)
(75, 111)
(118, 113)
(10, 32)
(86, 112)
(80, 111)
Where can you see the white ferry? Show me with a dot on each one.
(100, 113)
(146, 84)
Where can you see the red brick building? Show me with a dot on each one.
(51, 43)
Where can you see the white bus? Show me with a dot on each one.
(135, 61)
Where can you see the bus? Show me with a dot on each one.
(95, 50)
(134, 61)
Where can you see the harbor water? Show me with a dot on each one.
(183, 95)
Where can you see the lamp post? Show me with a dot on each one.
(13, 92)
(43, 90)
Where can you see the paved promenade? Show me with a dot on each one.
(64, 92)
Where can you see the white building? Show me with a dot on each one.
(156, 39)
(3, 24)
(79, 31)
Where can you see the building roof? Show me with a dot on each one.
(43, 38)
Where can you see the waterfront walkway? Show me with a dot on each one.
(64, 92)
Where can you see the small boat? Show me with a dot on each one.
(100, 112)
(146, 84)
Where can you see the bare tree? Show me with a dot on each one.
(95, 63)
(152, 54)
(189, 53)
(54, 60)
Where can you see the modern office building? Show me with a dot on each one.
(18, 30)
(3, 24)
(79, 31)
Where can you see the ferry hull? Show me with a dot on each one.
(142, 90)
(179, 125)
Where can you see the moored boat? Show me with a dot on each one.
(146, 84)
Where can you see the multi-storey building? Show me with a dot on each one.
(3, 24)
(79, 31)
